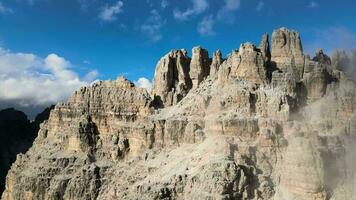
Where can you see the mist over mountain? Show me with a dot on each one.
(264, 122)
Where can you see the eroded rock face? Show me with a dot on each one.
(217, 60)
(251, 129)
(265, 47)
(252, 65)
(17, 134)
(287, 51)
(171, 81)
(199, 66)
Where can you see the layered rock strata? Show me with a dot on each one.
(252, 126)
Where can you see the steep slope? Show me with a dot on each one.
(17, 134)
(256, 125)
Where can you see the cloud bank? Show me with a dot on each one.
(27, 80)
(143, 83)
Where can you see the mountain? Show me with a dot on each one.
(17, 134)
(265, 122)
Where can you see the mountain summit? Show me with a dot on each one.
(266, 122)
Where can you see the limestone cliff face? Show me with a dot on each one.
(171, 82)
(256, 125)
(17, 134)
(287, 51)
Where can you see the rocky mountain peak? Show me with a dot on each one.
(265, 47)
(199, 65)
(217, 60)
(287, 51)
(249, 126)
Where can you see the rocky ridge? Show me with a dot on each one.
(16, 136)
(259, 124)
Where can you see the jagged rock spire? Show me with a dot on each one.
(171, 81)
(265, 47)
(287, 51)
(199, 66)
(252, 66)
(215, 64)
(321, 57)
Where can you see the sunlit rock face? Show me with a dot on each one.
(258, 124)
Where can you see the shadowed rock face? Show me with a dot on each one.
(259, 124)
(171, 81)
(17, 134)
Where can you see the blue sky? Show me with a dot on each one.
(101, 39)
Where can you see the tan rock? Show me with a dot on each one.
(171, 81)
(199, 66)
(251, 66)
(287, 51)
(217, 60)
(241, 135)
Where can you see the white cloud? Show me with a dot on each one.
(226, 14)
(330, 39)
(152, 27)
(108, 13)
(27, 80)
(143, 83)
(85, 4)
(313, 4)
(199, 6)
(205, 27)
(164, 3)
(3, 9)
(91, 76)
(260, 6)
(231, 5)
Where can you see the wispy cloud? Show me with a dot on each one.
(143, 83)
(3, 9)
(85, 4)
(226, 14)
(109, 13)
(260, 6)
(152, 27)
(199, 6)
(332, 38)
(164, 4)
(313, 4)
(30, 80)
(205, 27)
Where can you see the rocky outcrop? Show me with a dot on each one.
(287, 51)
(217, 60)
(199, 66)
(250, 128)
(265, 47)
(321, 57)
(252, 65)
(171, 81)
(17, 134)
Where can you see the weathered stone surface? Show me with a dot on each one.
(256, 131)
(322, 58)
(171, 81)
(265, 47)
(17, 134)
(217, 60)
(252, 65)
(287, 51)
(199, 66)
